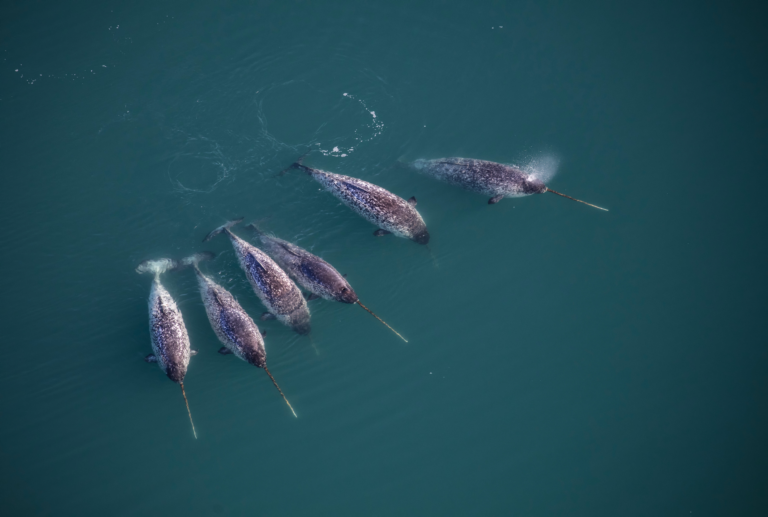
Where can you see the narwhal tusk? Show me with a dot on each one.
(188, 411)
(281, 391)
(573, 198)
(381, 320)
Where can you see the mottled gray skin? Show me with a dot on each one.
(381, 207)
(311, 272)
(489, 178)
(170, 341)
(272, 285)
(232, 325)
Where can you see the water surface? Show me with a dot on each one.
(562, 360)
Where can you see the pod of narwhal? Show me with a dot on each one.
(271, 279)
(232, 325)
(489, 178)
(312, 273)
(170, 341)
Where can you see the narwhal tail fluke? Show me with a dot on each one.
(381, 320)
(298, 164)
(281, 391)
(255, 229)
(223, 227)
(573, 198)
(188, 411)
(157, 266)
(255, 226)
(194, 260)
(294, 165)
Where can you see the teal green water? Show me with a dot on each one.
(562, 360)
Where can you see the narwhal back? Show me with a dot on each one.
(377, 205)
(170, 341)
(232, 325)
(489, 178)
(272, 285)
(310, 271)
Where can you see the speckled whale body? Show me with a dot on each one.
(490, 178)
(375, 204)
(271, 284)
(170, 341)
(311, 272)
(232, 325)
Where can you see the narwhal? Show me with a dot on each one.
(232, 325)
(391, 213)
(490, 178)
(170, 341)
(271, 284)
(312, 273)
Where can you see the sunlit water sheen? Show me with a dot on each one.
(561, 360)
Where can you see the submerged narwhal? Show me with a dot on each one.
(232, 325)
(490, 178)
(391, 213)
(170, 341)
(311, 272)
(271, 284)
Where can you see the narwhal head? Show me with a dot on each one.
(302, 328)
(345, 294)
(298, 320)
(176, 372)
(254, 352)
(533, 185)
(421, 237)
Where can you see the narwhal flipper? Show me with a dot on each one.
(267, 316)
(225, 351)
(150, 358)
(495, 199)
(381, 233)
(412, 201)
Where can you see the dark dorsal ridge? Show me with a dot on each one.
(256, 261)
(161, 306)
(355, 187)
(216, 295)
(289, 250)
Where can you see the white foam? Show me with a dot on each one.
(543, 167)
(376, 125)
